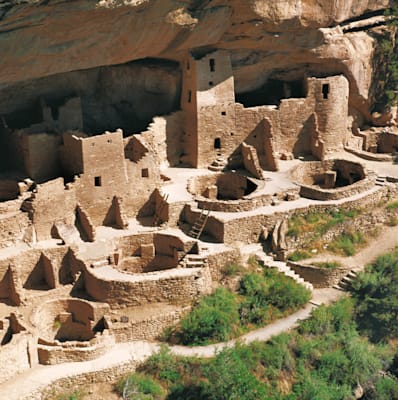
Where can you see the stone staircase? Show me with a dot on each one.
(199, 225)
(283, 268)
(194, 261)
(218, 164)
(345, 283)
(381, 181)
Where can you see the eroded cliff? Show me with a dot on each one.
(42, 41)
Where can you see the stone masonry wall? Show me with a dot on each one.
(177, 285)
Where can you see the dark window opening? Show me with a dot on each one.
(325, 90)
(217, 143)
(212, 64)
(55, 113)
(189, 96)
(188, 65)
(145, 173)
(97, 181)
(211, 83)
(223, 113)
(232, 134)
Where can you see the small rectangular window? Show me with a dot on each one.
(217, 143)
(189, 96)
(97, 181)
(211, 83)
(188, 65)
(212, 64)
(325, 90)
(145, 173)
(223, 113)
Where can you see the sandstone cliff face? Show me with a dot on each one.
(281, 39)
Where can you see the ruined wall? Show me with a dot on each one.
(177, 285)
(41, 156)
(17, 355)
(142, 171)
(167, 133)
(30, 272)
(43, 216)
(14, 227)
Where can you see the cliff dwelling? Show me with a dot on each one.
(127, 182)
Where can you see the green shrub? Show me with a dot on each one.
(386, 388)
(215, 318)
(346, 243)
(376, 293)
(163, 366)
(299, 255)
(76, 395)
(232, 269)
(328, 264)
(392, 206)
(193, 391)
(230, 379)
(139, 387)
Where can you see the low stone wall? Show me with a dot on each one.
(148, 329)
(74, 351)
(317, 193)
(177, 285)
(319, 277)
(71, 383)
(218, 261)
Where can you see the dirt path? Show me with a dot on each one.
(385, 242)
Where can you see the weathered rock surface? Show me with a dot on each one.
(279, 39)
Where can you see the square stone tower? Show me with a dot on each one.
(208, 102)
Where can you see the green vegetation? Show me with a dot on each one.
(139, 387)
(328, 264)
(299, 255)
(262, 298)
(347, 243)
(324, 359)
(376, 293)
(319, 222)
(387, 93)
(75, 395)
(215, 318)
(232, 269)
(392, 206)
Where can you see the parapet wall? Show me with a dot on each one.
(176, 285)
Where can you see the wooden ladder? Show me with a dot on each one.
(199, 225)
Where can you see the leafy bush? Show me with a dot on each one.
(347, 242)
(230, 379)
(139, 387)
(215, 318)
(386, 388)
(376, 294)
(163, 366)
(299, 255)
